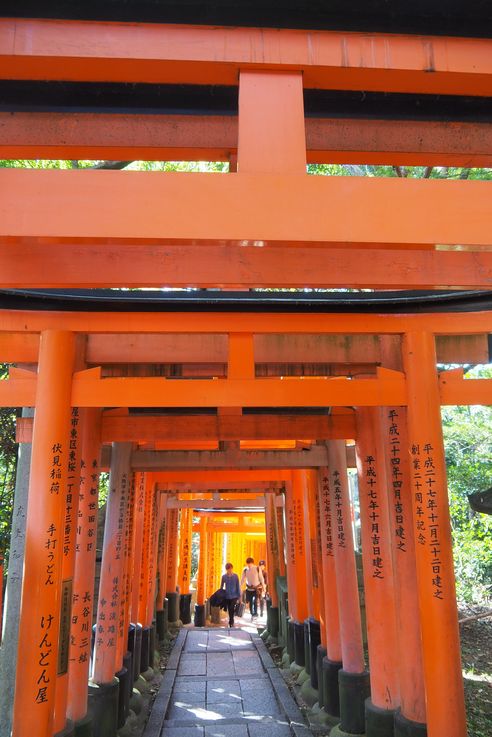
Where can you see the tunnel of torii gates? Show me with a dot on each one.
(230, 416)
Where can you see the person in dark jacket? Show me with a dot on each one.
(230, 582)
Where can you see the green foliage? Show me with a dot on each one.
(468, 444)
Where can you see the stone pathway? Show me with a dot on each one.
(221, 684)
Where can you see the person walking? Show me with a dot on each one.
(263, 595)
(253, 578)
(230, 582)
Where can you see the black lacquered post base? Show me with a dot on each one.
(273, 622)
(67, 731)
(307, 651)
(172, 607)
(145, 652)
(185, 608)
(354, 689)
(83, 727)
(103, 708)
(331, 692)
(320, 654)
(407, 728)
(199, 619)
(137, 651)
(122, 675)
(379, 722)
(314, 642)
(299, 649)
(291, 640)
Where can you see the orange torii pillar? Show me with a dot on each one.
(210, 576)
(199, 619)
(332, 653)
(144, 582)
(353, 679)
(184, 575)
(296, 568)
(152, 575)
(172, 595)
(312, 627)
(410, 720)
(161, 601)
(379, 584)
(272, 557)
(61, 726)
(282, 571)
(40, 616)
(104, 689)
(85, 563)
(135, 634)
(433, 544)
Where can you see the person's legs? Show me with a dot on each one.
(231, 605)
(249, 600)
(254, 604)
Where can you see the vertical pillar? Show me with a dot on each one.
(10, 634)
(161, 613)
(434, 553)
(185, 565)
(296, 563)
(272, 564)
(143, 583)
(410, 722)
(85, 562)
(332, 659)
(202, 572)
(68, 567)
(378, 575)
(172, 564)
(37, 665)
(353, 680)
(104, 693)
(271, 135)
(314, 631)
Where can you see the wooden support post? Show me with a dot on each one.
(409, 640)
(328, 533)
(68, 563)
(85, 562)
(143, 583)
(271, 134)
(202, 563)
(311, 529)
(138, 526)
(378, 574)
(37, 664)
(281, 538)
(296, 562)
(353, 679)
(434, 551)
(129, 583)
(111, 586)
(185, 551)
(272, 554)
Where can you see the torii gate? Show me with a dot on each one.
(264, 224)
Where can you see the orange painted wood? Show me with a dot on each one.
(112, 584)
(271, 133)
(149, 205)
(297, 553)
(40, 616)
(434, 556)
(409, 642)
(314, 574)
(26, 321)
(377, 559)
(328, 534)
(346, 573)
(214, 138)
(71, 50)
(137, 543)
(172, 549)
(202, 563)
(72, 266)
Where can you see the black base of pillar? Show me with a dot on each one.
(137, 652)
(320, 654)
(406, 728)
(159, 624)
(273, 621)
(185, 608)
(314, 642)
(103, 708)
(354, 690)
(199, 618)
(131, 639)
(331, 692)
(67, 731)
(152, 646)
(83, 727)
(144, 656)
(122, 676)
(299, 650)
(291, 640)
(172, 607)
(307, 651)
(128, 664)
(379, 722)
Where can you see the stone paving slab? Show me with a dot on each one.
(223, 685)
